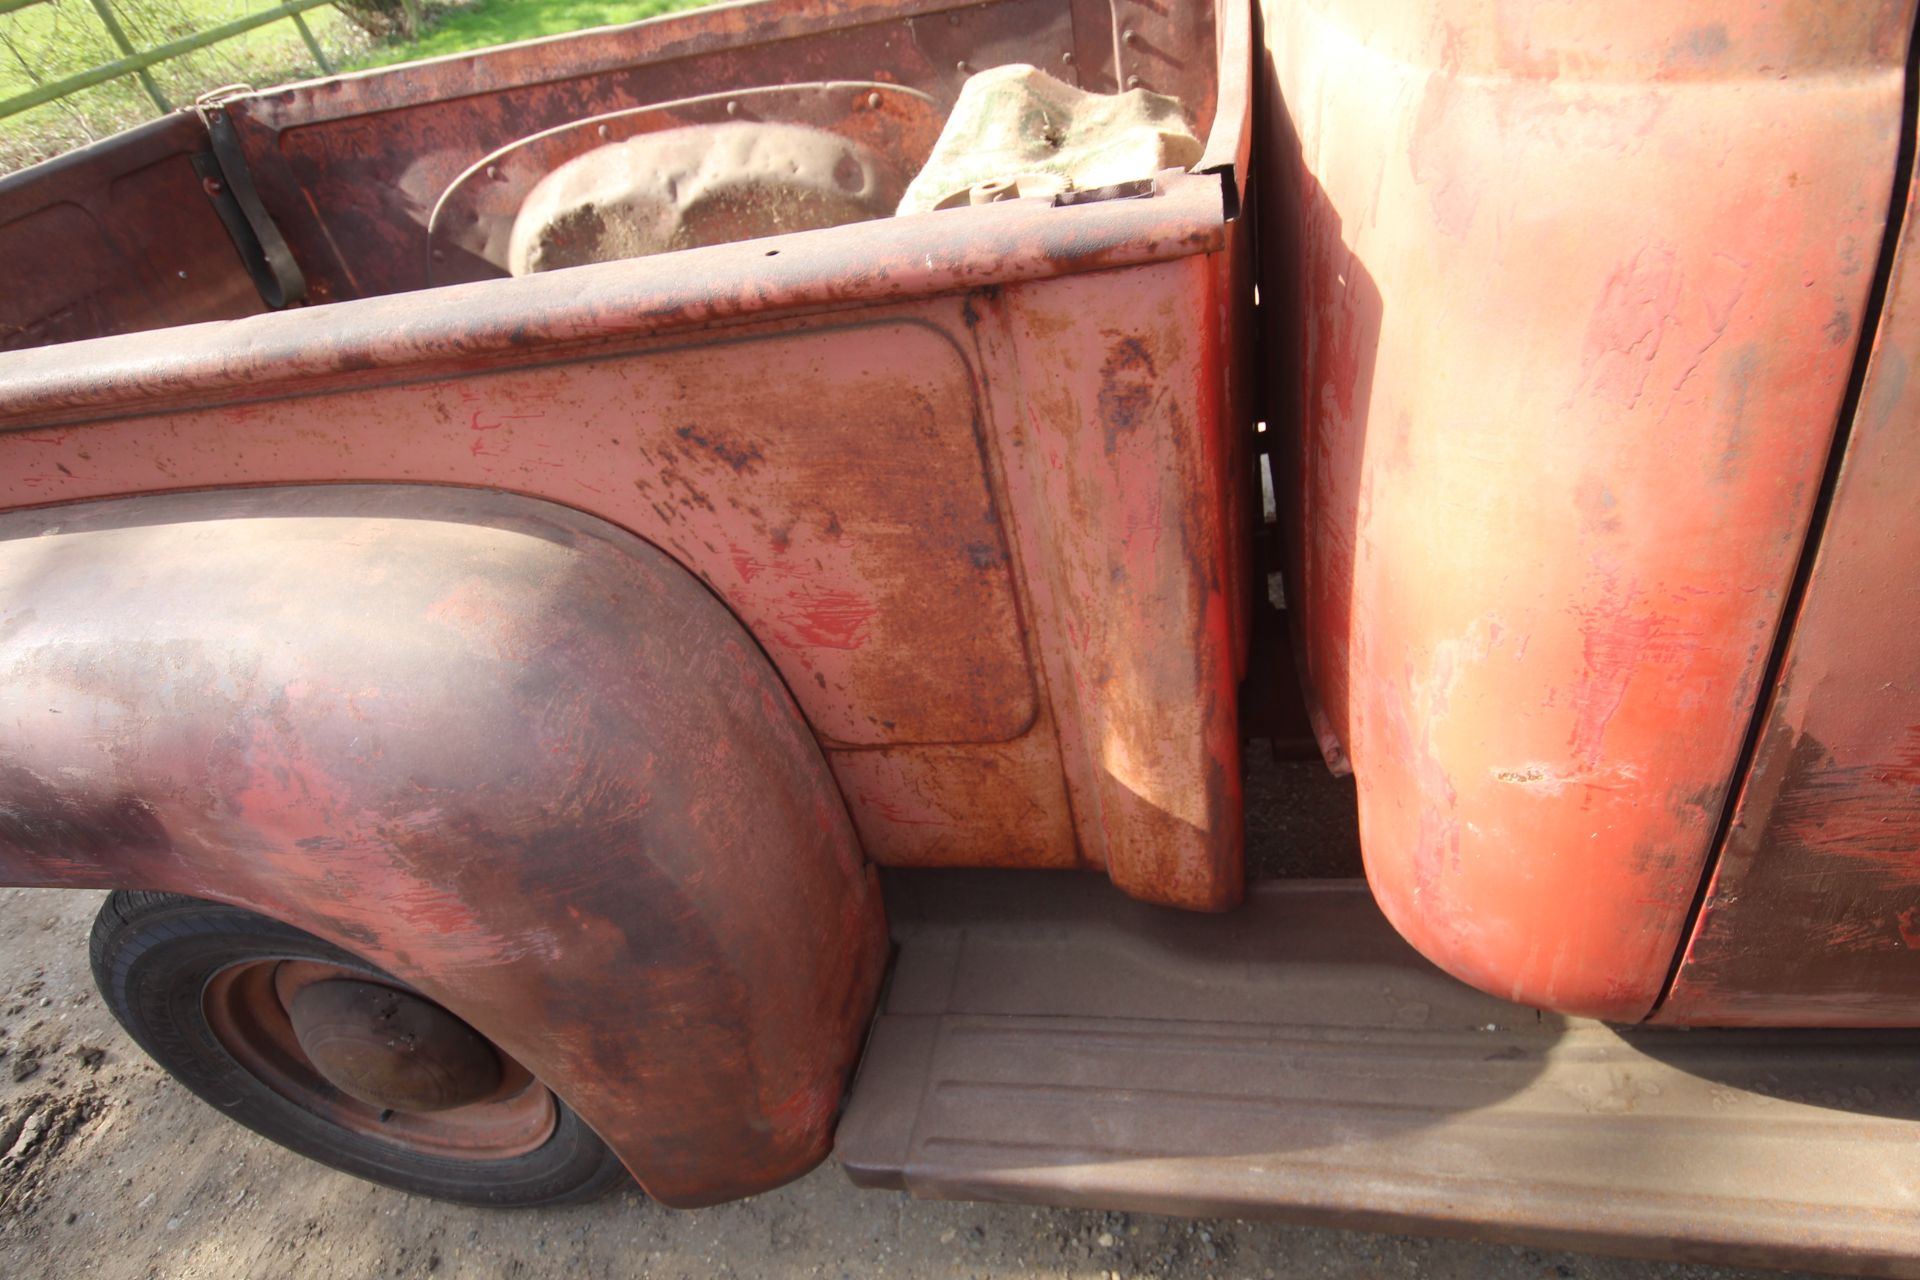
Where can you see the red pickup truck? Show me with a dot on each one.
(577, 593)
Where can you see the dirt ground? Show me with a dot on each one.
(108, 1169)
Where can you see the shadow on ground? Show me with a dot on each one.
(127, 1177)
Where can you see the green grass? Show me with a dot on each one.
(53, 40)
(59, 38)
(491, 22)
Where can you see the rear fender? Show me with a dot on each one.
(511, 754)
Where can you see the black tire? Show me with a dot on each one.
(153, 955)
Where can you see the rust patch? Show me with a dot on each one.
(741, 460)
(1128, 388)
(581, 782)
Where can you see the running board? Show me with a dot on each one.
(1046, 1040)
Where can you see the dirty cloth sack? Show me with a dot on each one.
(1018, 131)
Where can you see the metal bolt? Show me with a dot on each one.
(964, 67)
(1133, 82)
(212, 186)
(733, 108)
(1128, 37)
(873, 101)
(604, 132)
(493, 172)
(1067, 58)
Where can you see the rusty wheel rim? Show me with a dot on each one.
(248, 1007)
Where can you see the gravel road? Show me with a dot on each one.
(112, 1171)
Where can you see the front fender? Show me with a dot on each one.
(511, 754)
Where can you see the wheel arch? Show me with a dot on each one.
(487, 742)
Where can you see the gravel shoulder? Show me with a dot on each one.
(108, 1169)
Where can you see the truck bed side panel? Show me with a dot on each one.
(115, 238)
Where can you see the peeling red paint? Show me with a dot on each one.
(1554, 368)
(831, 619)
(833, 432)
(1630, 321)
(1810, 917)
(1617, 641)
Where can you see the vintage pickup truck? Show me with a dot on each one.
(601, 603)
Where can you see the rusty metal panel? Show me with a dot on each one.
(1813, 913)
(505, 751)
(352, 167)
(355, 169)
(962, 805)
(864, 488)
(827, 483)
(840, 431)
(356, 165)
(1121, 456)
(1157, 45)
(1043, 1040)
(1579, 289)
(560, 315)
(116, 237)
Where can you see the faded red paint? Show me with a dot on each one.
(1578, 294)
(883, 589)
(1128, 575)
(1814, 907)
(492, 800)
(836, 431)
(755, 493)
(830, 619)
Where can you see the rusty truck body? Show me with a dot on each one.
(546, 727)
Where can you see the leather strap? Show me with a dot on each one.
(264, 250)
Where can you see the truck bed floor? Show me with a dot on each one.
(1044, 1039)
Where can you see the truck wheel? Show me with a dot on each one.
(325, 1054)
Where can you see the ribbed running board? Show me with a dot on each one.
(1046, 1040)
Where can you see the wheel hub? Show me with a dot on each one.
(392, 1049)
